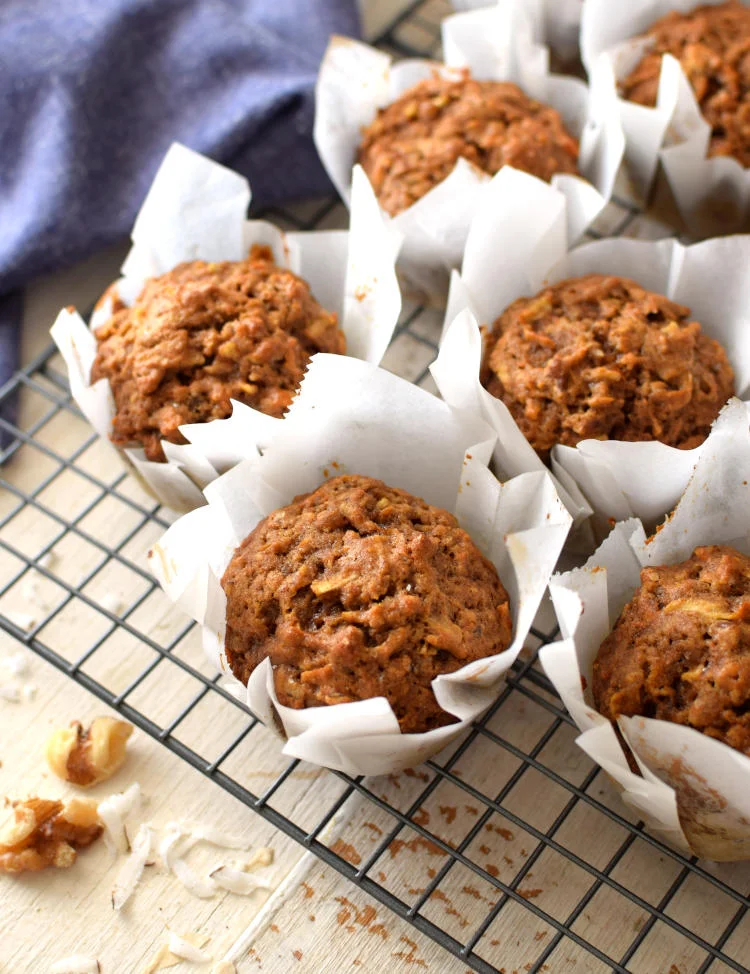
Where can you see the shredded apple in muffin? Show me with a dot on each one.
(360, 590)
(205, 333)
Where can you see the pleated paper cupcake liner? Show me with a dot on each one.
(518, 245)
(351, 417)
(495, 43)
(196, 210)
(692, 790)
(558, 22)
(666, 147)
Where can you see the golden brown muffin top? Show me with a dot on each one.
(600, 357)
(360, 590)
(205, 333)
(415, 142)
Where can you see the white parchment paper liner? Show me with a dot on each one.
(694, 790)
(351, 417)
(515, 246)
(196, 209)
(711, 194)
(558, 21)
(496, 43)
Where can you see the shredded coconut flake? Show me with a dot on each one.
(112, 602)
(23, 620)
(202, 888)
(214, 836)
(131, 872)
(17, 692)
(168, 847)
(48, 559)
(77, 964)
(30, 591)
(175, 844)
(114, 810)
(10, 692)
(224, 967)
(237, 881)
(182, 948)
(17, 664)
(260, 858)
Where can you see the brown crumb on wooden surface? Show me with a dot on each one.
(350, 914)
(346, 851)
(409, 956)
(530, 894)
(415, 845)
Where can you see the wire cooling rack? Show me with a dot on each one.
(521, 857)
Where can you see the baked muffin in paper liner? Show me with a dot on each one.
(499, 43)
(519, 244)
(666, 147)
(692, 790)
(353, 418)
(197, 210)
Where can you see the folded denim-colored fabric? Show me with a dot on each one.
(93, 92)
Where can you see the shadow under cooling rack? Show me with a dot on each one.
(520, 855)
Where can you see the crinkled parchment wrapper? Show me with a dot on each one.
(559, 21)
(351, 417)
(516, 245)
(670, 140)
(694, 791)
(496, 43)
(196, 209)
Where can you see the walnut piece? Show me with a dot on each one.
(86, 757)
(39, 833)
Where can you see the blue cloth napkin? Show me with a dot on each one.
(93, 92)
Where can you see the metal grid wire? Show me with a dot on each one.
(514, 817)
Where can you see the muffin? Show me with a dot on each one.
(414, 143)
(360, 590)
(680, 650)
(712, 43)
(205, 333)
(599, 357)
